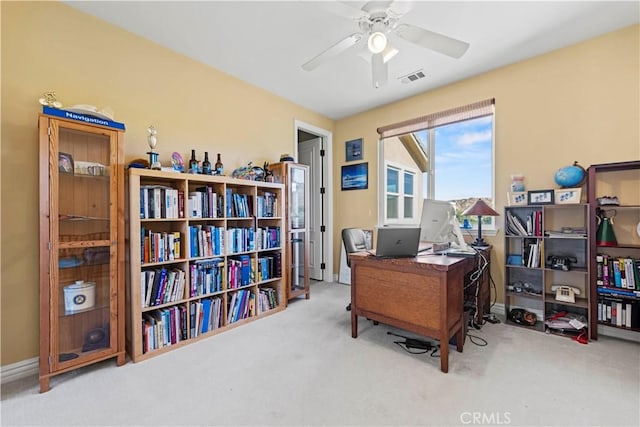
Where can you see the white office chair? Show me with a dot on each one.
(354, 241)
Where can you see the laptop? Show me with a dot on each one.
(397, 242)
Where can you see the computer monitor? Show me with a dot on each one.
(438, 223)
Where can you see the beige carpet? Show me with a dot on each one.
(301, 367)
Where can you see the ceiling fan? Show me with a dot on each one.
(376, 20)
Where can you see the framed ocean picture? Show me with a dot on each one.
(355, 177)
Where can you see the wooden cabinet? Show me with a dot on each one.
(546, 248)
(81, 245)
(615, 264)
(295, 176)
(205, 255)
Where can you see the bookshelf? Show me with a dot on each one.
(82, 300)
(615, 293)
(205, 256)
(547, 246)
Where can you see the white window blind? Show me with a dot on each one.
(429, 121)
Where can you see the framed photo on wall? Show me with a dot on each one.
(355, 177)
(353, 150)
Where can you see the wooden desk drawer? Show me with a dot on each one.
(414, 298)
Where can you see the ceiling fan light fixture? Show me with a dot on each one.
(377, 42)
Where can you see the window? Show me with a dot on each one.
(400, 193)
(451, 154)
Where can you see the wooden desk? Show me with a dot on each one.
(422, 295)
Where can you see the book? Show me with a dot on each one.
(599, 277)
(161, 287)
(617, 278)
(606, 271)
(245, 270)
(231, 307)
(623, 273)
(206, 310)
(154, 288)
(629, 273)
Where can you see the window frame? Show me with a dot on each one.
(402, 170)
(459, 114)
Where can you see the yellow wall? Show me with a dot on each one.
(579, 103)
(51, 46)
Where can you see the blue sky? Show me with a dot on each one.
(463, 159)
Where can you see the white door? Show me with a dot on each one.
(309, 154)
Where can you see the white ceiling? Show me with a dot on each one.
(266, 42)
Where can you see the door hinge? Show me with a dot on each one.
(322, 229)
(322, 189)
(322, 266)
(49, 131)
(50, 360)
(321, 153)
(49, 245)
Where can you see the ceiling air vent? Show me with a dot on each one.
(412, 77)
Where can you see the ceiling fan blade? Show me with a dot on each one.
(434, 41)
(379, 70)
(334, 50)
(339, 8)
(400, 8)
(376, 6)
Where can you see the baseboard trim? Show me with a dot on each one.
(618, 333)
(498, 308)
(18, 370)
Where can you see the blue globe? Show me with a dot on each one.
(570, 176)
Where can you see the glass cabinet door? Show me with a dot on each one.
(83, 236)
(297, 189)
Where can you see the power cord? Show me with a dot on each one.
(413, 343)
(480, 342)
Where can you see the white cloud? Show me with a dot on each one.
(470, 138)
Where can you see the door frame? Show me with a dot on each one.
(327, 140)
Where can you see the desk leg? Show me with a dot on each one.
(444, 355)
(354, 323)
(460, 339)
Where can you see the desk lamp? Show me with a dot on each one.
(480, 209)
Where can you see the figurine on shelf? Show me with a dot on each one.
(49, 99)
(268, 174)
(249, 172)
(152, 140)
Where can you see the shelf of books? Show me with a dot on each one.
(547, 268)
(205, 255)
(615, 274)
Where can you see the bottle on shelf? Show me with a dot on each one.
(219, 166)
(193, 163)
(206, 164)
